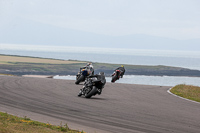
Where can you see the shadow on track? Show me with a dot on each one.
(94, 98)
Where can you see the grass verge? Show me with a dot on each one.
(14, 124)
(187, 91)
(6, 74)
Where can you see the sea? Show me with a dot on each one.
(124, 56)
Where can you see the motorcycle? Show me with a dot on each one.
(115, 75)
(82, 74)
(92, 86)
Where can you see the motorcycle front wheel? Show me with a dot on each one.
(114, 78)
(90, 93)
(81, 78)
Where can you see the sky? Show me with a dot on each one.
(174, 19)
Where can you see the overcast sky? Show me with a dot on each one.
(177, 19)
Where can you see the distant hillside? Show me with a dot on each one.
(23, 31)
(34, 66)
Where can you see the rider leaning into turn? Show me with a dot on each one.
(100, 77)
(89, 67)
(122, 70)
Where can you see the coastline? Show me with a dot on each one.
(26, 65)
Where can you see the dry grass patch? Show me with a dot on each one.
(5, 59)
(13, 124)
(6, 74)
(187, 91)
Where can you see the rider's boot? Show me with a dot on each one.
(80, 93)
(99, 91)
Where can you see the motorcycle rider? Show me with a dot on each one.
(89, 67)
(122, 70)
(90, 64)
(101, 77)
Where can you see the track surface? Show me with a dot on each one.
(121, 108)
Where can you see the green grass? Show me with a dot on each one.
(187, 91)
(13, 124)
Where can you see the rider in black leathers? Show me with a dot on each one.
(100, 77)
(122, 70)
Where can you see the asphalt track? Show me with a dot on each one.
(122, 108)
